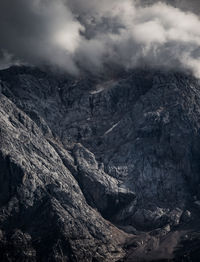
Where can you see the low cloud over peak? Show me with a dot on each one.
(90, 35)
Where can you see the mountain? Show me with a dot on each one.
(99, 168)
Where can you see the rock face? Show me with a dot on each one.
(95, 169)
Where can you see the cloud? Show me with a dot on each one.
(39, 32)
(77, 35)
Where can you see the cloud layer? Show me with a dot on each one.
(77, 35)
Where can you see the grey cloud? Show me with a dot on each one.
(7, 60)
(84, 34)
(32, 31)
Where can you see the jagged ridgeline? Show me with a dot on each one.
(95, 169)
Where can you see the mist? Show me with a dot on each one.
(78, 35)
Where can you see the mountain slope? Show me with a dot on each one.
(44, 215)
(77, 151)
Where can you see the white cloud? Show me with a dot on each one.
(75, 34)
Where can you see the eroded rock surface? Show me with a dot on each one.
(81, 158)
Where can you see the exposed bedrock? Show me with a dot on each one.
(85, 160)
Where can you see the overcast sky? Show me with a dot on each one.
(90, 34)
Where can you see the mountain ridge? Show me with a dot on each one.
(91, 155)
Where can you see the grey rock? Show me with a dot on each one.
(40, 197)
(101, 190)
(77, 151)
(186, 216)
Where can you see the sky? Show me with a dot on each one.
(92, 35)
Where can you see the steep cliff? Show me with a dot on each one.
(99, 169)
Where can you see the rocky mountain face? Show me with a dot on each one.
(95, 169)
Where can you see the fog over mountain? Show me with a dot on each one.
(99, 131)
(94, 35)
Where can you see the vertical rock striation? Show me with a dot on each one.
(79, 157)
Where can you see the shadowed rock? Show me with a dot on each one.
(74, 152)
